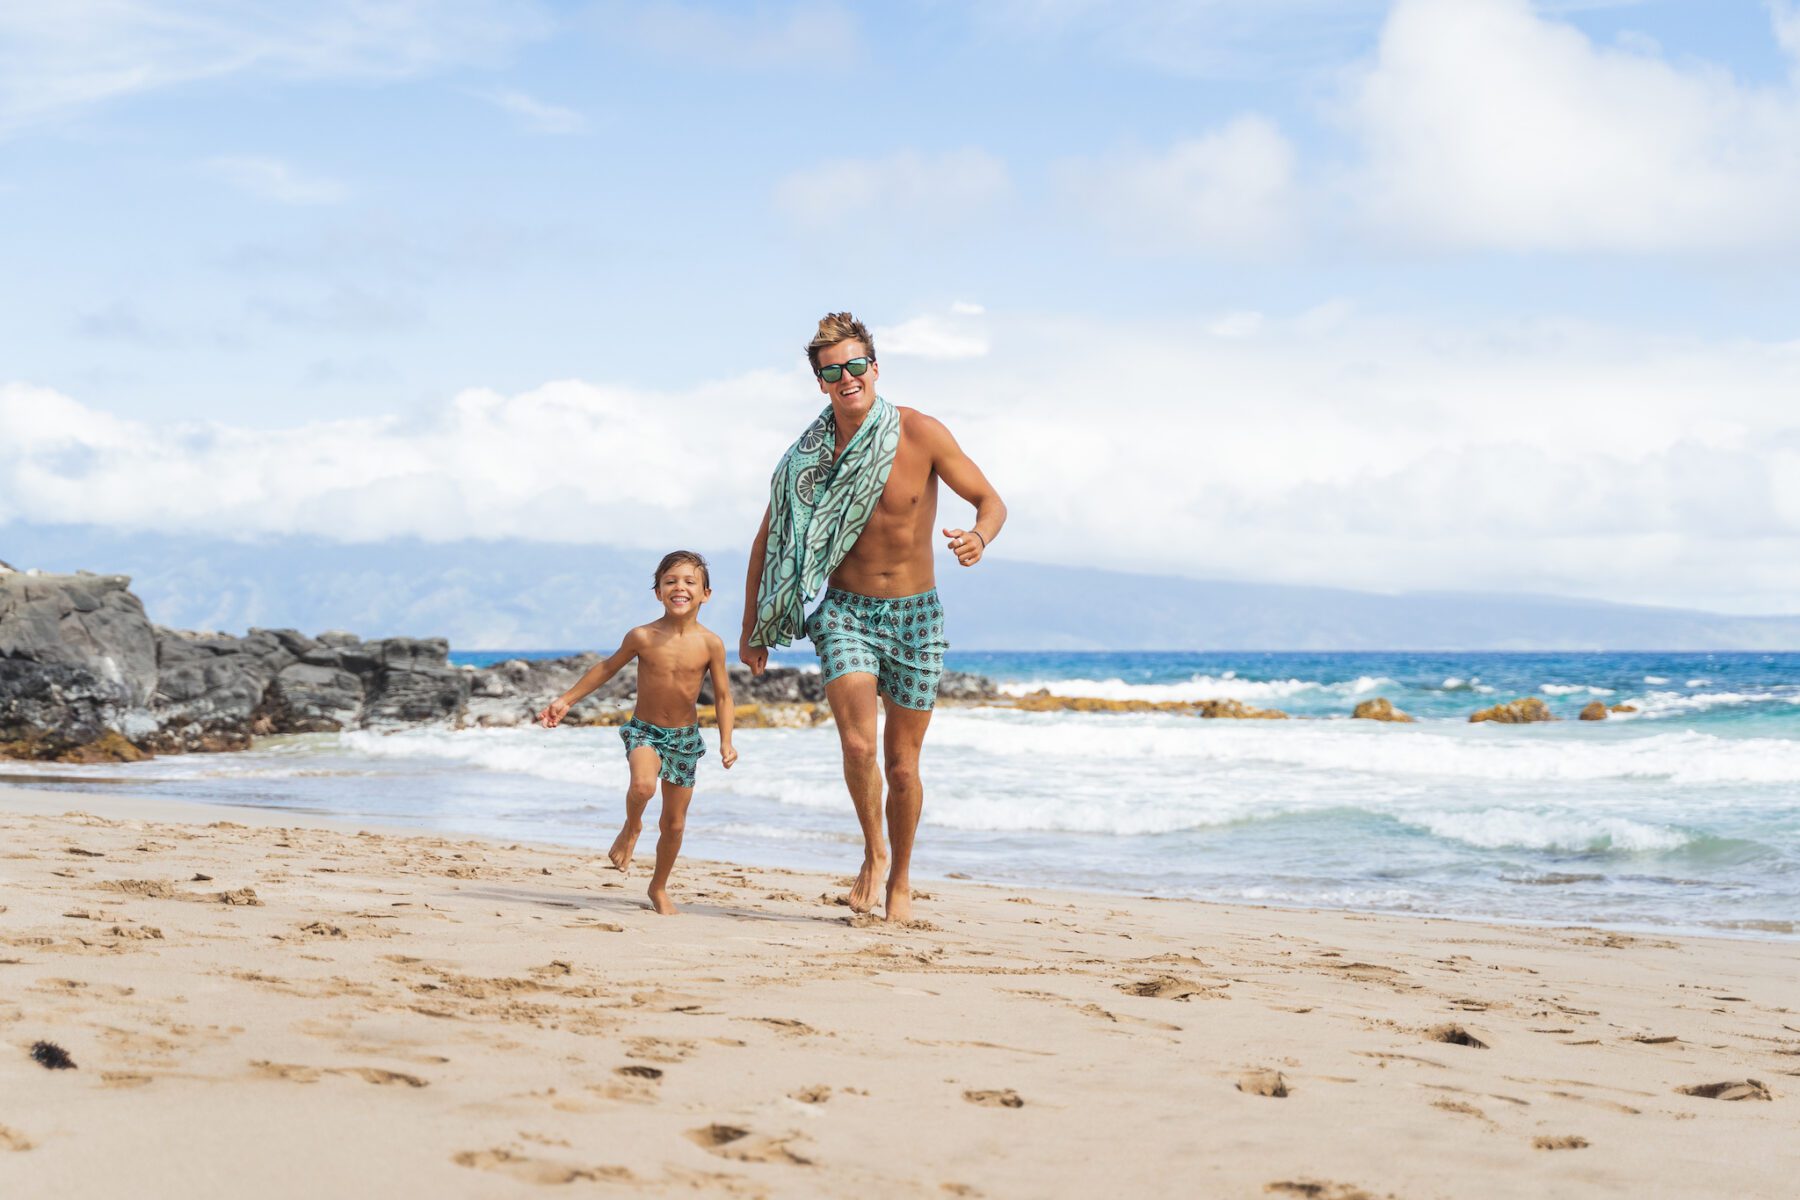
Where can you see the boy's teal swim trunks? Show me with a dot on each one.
(680, 748)
(900, 642)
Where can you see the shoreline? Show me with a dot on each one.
(451, 1015)
(270, 816)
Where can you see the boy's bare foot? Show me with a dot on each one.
(659, 900)
(899, 900)
(623, 845)
(862, 893)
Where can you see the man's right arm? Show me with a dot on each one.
(754, 657)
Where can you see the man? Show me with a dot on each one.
(855, 501)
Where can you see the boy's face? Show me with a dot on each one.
(851, 393)
(682, 589)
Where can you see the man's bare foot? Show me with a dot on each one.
(659, 900)
(862, 894)
(623, 845)
(899, 900)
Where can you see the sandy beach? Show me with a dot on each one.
(322, 1010)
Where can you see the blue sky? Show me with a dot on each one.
(1433, 293)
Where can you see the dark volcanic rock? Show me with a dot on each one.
(77, 658)
(412, 680)
(311, 698)
(84, 676)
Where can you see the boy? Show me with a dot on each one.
(663, 736)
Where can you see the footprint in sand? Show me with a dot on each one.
(994, 1098)
(12, 1139)
(1169, 987)
(543, 1171)
(1738, 1089)
(1263, 1083)
(1317, 1190)
(817, 1094)
(300, 1073)
(736, 1142)
(1567, 1142)
(1455, 1035)
(658, 1050)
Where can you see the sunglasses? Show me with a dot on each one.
(858, 367)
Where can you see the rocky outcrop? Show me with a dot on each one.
(85, 676)
(1379, 709)
(1624, 708)
(1596, 710)
(1523, 711)
(1044, 701)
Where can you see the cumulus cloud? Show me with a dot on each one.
(1357, 450)
(1487, 125)
(816, 35)
(906, 185)
(957, 334)
(58, 59)
(1228, 191)
(272, 179)
(535, 114)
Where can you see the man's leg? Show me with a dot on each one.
(901, 743)
(645, 765)
(668, 843)
(853, 707)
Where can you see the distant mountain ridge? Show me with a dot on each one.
(527, 595)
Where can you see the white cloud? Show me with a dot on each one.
(903, 186)
(958, 334)
(272, 179)
(1487, 125)
(60, 58)
(536, 114)
(1228, 191)
(815, 36)
(1357, 450)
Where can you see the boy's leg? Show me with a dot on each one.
(646, 763)
(668, 843)
(853, 707)
(901, 742)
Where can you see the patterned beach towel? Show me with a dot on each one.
(817, 510)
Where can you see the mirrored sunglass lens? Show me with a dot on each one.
(831, 374)
(858, 366)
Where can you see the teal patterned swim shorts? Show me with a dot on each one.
(680, 748)
(900, 642)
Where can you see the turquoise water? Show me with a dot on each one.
(1683, 815)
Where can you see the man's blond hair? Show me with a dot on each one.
(835, 328)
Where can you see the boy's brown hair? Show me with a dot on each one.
(834, 328)
(682, 556)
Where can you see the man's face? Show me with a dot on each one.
(682, 589)
(852, 394)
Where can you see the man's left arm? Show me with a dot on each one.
(963, 477)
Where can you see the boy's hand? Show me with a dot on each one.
(754, 657)
(553, 712)
(727, 755)
(967, 545)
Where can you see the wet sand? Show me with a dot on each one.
(255, 1007)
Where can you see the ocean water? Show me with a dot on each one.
(1684, 815)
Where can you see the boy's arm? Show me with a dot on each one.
(754, 657)
(722, 703)
(964, 478)
(592, 678)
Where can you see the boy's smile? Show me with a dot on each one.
(681, 589)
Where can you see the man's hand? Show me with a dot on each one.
(967, 545)
(754, 657)
(727, 754)
(553, 713)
